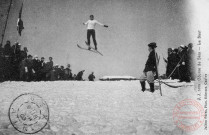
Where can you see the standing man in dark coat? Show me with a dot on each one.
(48, 69)
(24, 53)
(16, 60)
(7, 61)
(36, 63)
(169, 67)
(8, 49)
(42, 73)
(150, 68)
(56, 72)
(29, 69)
(91, 77)
(183, 65)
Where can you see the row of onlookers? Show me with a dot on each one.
(17, 65)
(181, 63)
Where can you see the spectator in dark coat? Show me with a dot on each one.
(7, 49)
(56, 72)
(48, 69)
(42, 72)
(169, 66)
(7, 61)
(16, 60)
(24, 53)
(79, 76)
(183, 65)
(27, 69)
(36, 65)
(91, 77)
(175, 59)
(68, 74)
(61, 73)
(150, 68)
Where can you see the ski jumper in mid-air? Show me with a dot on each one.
(91, 30)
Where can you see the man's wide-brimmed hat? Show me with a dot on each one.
(152, 45)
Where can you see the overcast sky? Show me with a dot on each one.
(54, 27)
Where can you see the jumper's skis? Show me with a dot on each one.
(92, 49)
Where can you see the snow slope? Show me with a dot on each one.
(99, 108)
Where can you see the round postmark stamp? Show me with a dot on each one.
(28, 113)
(189, 115)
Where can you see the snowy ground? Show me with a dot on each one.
(99, 108)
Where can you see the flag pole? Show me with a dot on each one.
(5, 26)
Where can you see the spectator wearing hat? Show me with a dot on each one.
(7, 60)
(42, 72)
(7, 49)
(175, 59)
(36, 65)
(183, 65)
(16, 60)
(150, 68)
(27, 70)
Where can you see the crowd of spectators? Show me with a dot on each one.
(17, 65)
(181, 63)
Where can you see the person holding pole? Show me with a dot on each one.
(150, 68)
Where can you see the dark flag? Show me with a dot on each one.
(20, 26)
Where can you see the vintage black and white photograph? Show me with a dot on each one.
(104, 67)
